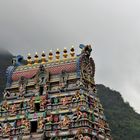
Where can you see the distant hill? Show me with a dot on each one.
(5, 61)
(123, 120)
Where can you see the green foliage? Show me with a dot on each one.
(123, 120)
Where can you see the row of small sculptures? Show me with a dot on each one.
(21, 124)
(8, 128)
(64, 123)
(15, 107)
(22, 87)
(44, 101)
(76, 117)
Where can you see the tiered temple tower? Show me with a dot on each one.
(53, 99)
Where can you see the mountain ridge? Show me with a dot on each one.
(123, 120)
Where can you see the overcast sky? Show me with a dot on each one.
(112, 27)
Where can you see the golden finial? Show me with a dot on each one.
(29, 59)
(50, 56)
(36, 58)
(72, 52)
(43, 59)
(65, 53)
(57, 55)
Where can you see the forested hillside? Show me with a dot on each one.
(123, 120)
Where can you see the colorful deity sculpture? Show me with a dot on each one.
(42, 79)
(40, 123)
(79, 134)
(76, 97)
(6, 94)
(5, 105)
(63, 79)
(65, 101)
(77, 114)
(27, 124)
(49, 118)
(13, 108)
(43, 102)
(22, 86)
(31, 103)
(7, 129)
(65, 122)
(24, 123)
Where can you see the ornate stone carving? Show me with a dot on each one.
(22, 85)
(87, 67)
(40, 123)
(42, 76)
(6, 94)
(65, 122)
(5, 105)
(42, 79)
(63, 79)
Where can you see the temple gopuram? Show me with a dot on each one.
(52, 98)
